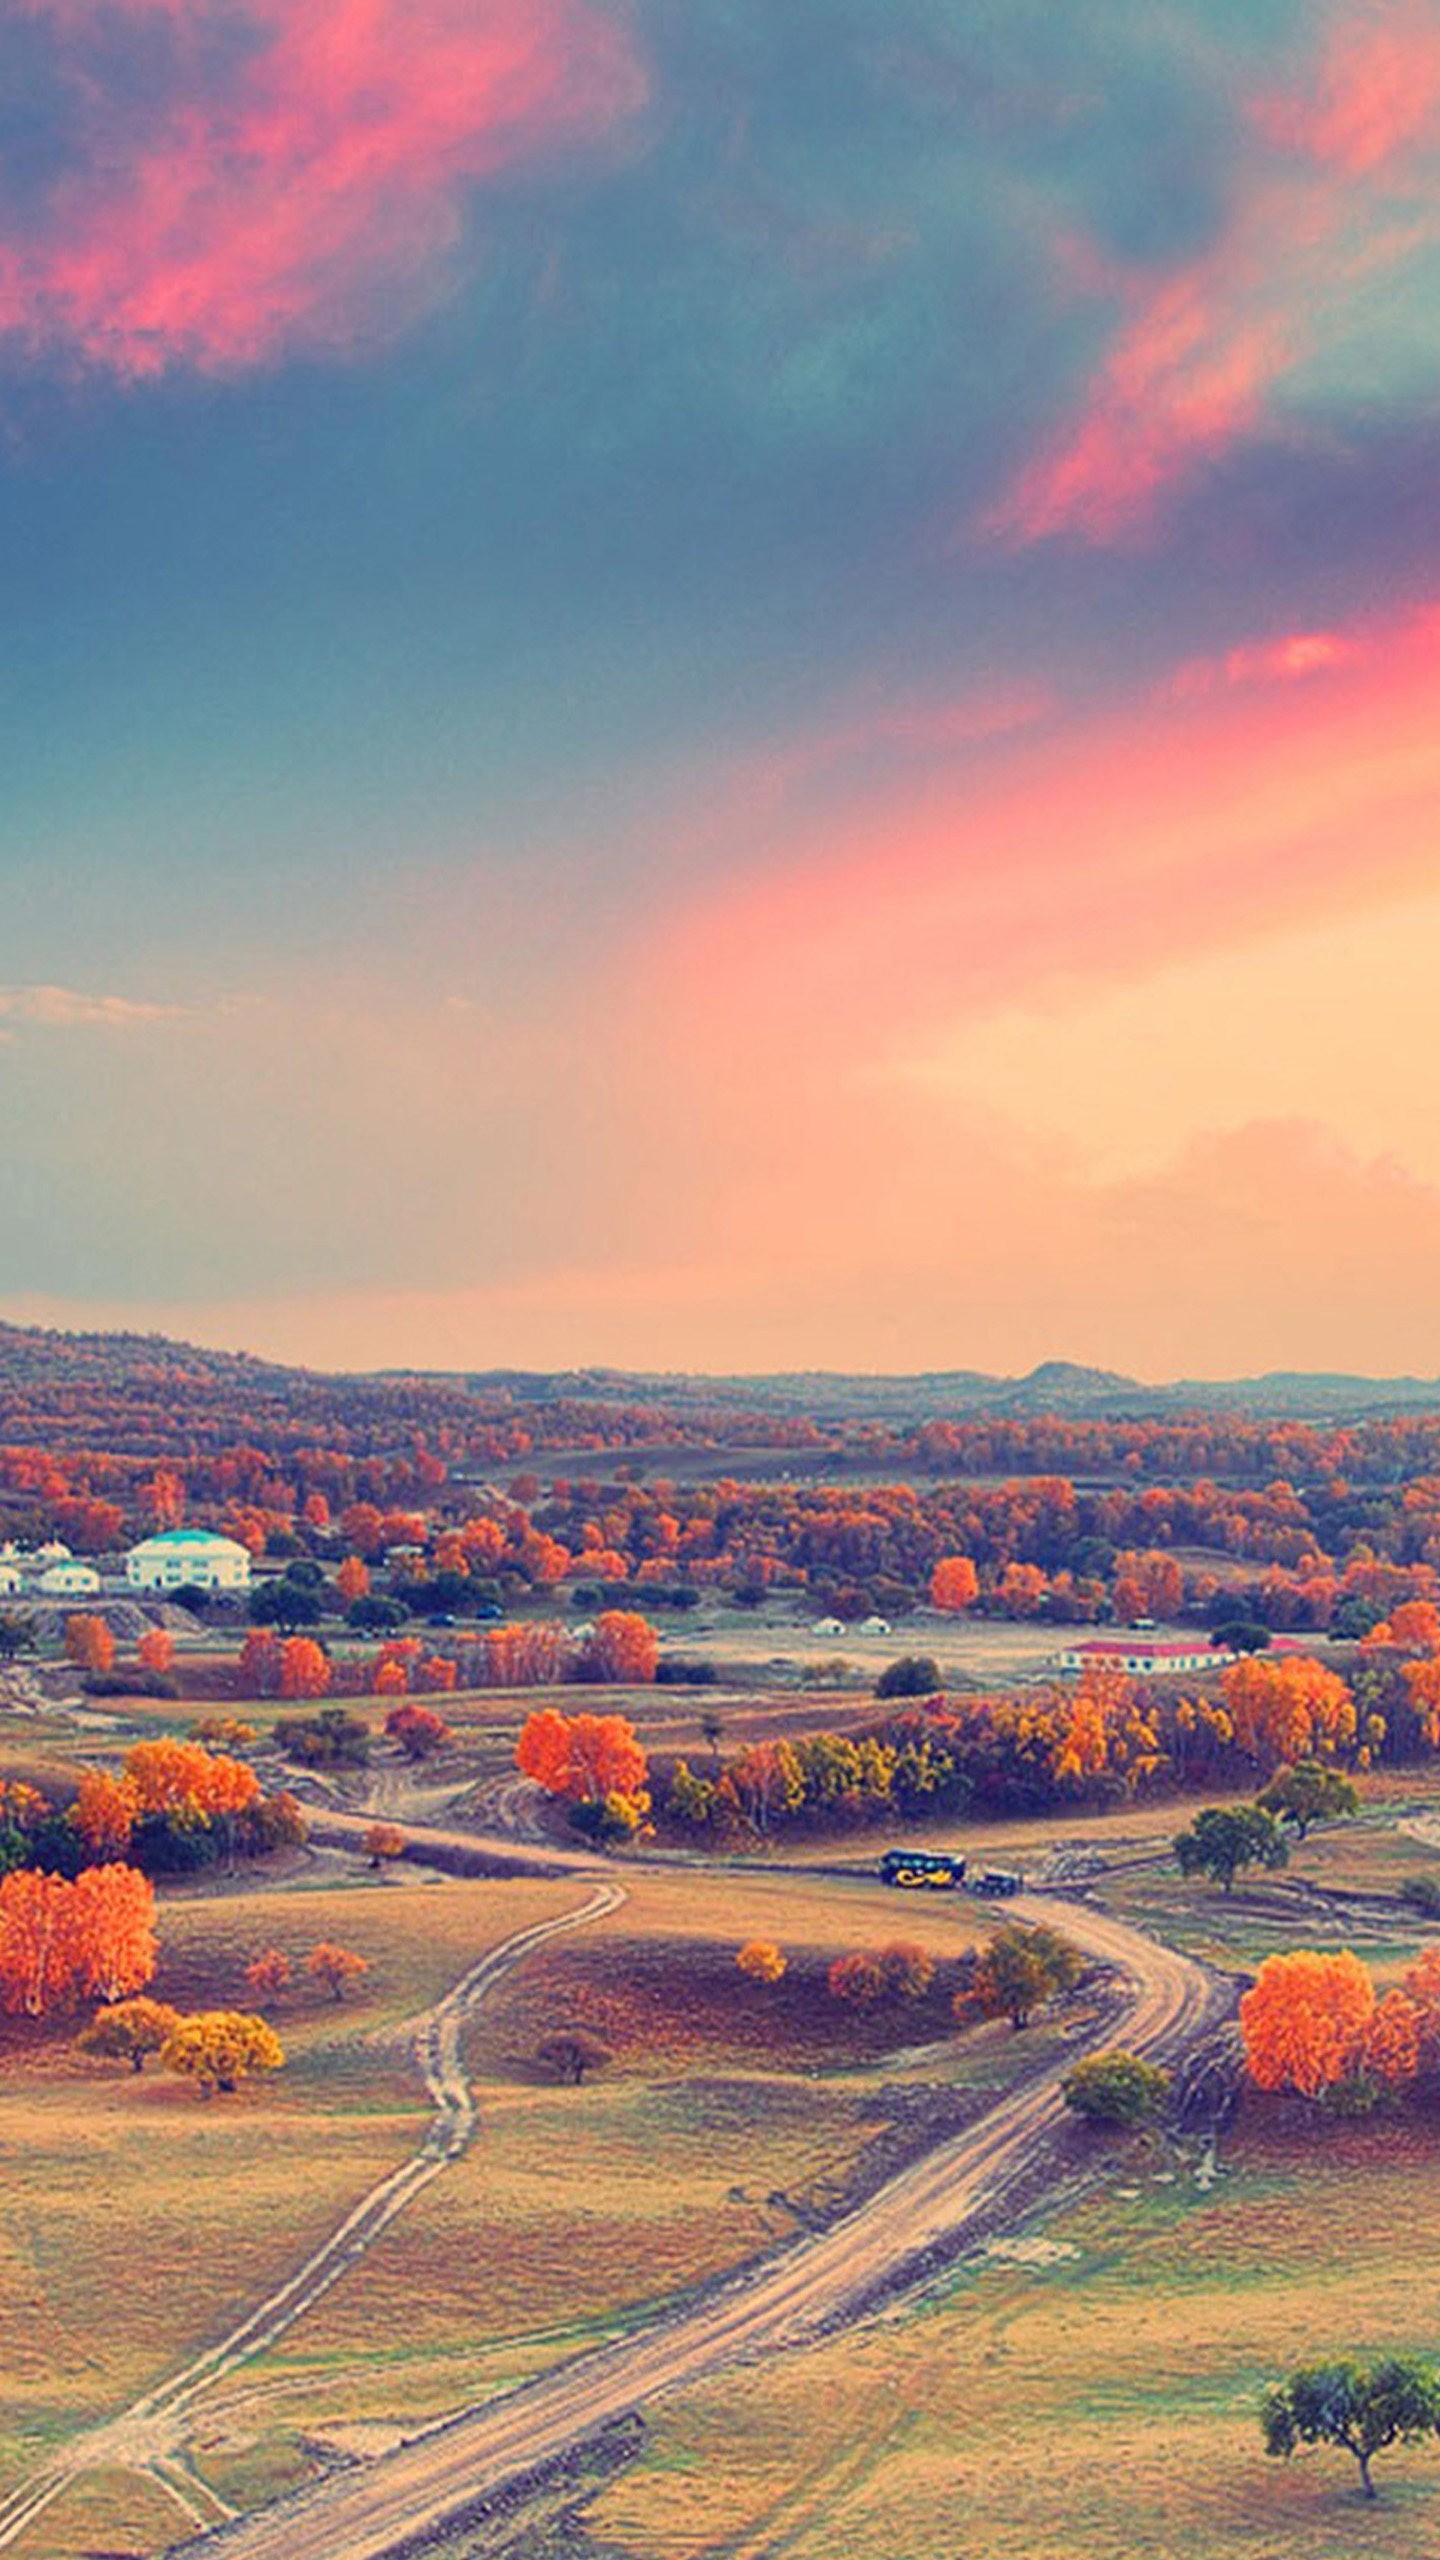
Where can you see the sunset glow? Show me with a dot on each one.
(740, 690)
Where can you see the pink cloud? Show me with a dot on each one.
(1183, 382)
(1377, 91)
(311, 195)
(1327, 199)
(1285, 661)
(1216, 813)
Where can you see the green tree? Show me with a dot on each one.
(571, 2054)
(1242, 1635)
(287, 1604)
(1363, 2408)
(1116, 2088)
(1017, 1973)
(1309, 1793)
(915, 1675)
(17, 1634)
(1224, 1838)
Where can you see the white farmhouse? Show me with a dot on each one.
(68, 1580)
(1145, 1654)
(175, 1557)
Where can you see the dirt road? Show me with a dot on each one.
(392, 2505)
(149, 2435)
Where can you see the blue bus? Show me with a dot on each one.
(922, 1868)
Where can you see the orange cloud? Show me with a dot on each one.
(1080, 855)
(313, 195)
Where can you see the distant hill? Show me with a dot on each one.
(1056, 1386)
(42, 1367)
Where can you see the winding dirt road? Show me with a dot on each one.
(395, 2504)
(149, 2435)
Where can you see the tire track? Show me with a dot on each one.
(428, 2487)
(147, 2436)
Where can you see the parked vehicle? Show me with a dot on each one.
(921, 1868)
(996, 1881)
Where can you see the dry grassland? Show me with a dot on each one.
(1098, 2407)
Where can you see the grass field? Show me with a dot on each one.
(1098, 2404)
(1095, 2403)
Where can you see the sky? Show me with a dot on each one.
(730, 687)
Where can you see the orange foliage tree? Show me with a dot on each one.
(155, 1650)
(583, 1758)
(383, 1840)
(60, 1941)
(105, 1812)
(353, 1580)
(335, 1967)
(268, 1974)
(1288, 1709)
(305, 1670)
(258, 1663)
(761, 1960)
(1312, 2021)
(624, 1646)
(89, 1643)
(113, 1928)
(954, 1584)
(189, 1783)
(526, 1656)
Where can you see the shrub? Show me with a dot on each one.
(1116, 2088)
(915, 1675)
(570, 2054)
(332, 1739)
(907, 1970)
(859, 1980)
(130, 1684)
(761, 1961)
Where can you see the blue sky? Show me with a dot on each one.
(502, 502)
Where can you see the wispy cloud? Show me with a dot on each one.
(71, 1009)
(300, 179)
(1288, 660)
(1336, 194)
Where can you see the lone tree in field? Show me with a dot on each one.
(1017, 1973)
(1310, 1792)
(218, 2048)
(1363, 2408)
(1116, 2088)
(130, 2030)
(1225, 1838)
(384, 1841)
(268, 1974)
(335, 1967)
(571, 2054)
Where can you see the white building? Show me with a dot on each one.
(68, 1581)
(828, 1627)
(179, 1556)
(1138, 1653)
